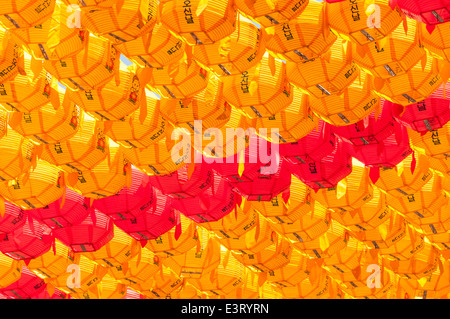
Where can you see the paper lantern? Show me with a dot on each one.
(156, 218)
(29, 241)
(94, 67)
(291, 274)
(13, 217)
(394, 55)
(120, 249)
(92, 4)
(354, 191)
(124, 23)
(162, 285)
(109, 288)
(287, 206)
(435, 42)
(198, 262)
(64, 212)
(31, 90)
(355, 103)
(10, 270)
(326, 75)
(178, 80)
(82, 151)
(413, 86)
(350, 21)
(302, 38)
(46, 125)
(156, 49)
(35, 189)
(25, 13)
(26, 287)
(170, 244)
(234, 54)
(325, 172)
(90, 234)
(430, 13)
(210, 205)
(105, 179)
(55, 38)
(12, 57)
(369, 216)
(291, 124)
(310, 289)
(406, 247)
(319, 143)
(199, 22)
(429, 114)
(431, 143)
(269, 13)
(17, 152)
(261, 91)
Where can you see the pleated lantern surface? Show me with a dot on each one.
(120, 249)
(208, 107)
(413, 86)
(10, 270)
(156, 49)
(90, 234)
(290, 124)
(350, 21)
(434, 143)
(25, 13)
(291, 274)
(120, 24)
(436, 224)
(29, 241)
(153, 221)
(268, 13)
(325, 75)
(167, 245)
(310, 289)
(130, 132)
(105, 179)
(13, 218)
(11, 56)
(210, 205)
(61, 213)
(47, 126)
(26, 287)
(109, 288)
(179, 185)
(261, 91)
(429, 13)
(35, 189)
(178, 80)
(198, 22)
(162, 285)
(84, 150)
(325, 172)
(354, 104)
(234, 54)
(394, 55)
(199, 261)
(427, 115)
(17, 152)
(354, 191)
(436, 42)
(29, 91)
(54, 39)
(95, 66)
(302, 38)
(92, 4)
(319, 143)
(130, 201)
(156, 159)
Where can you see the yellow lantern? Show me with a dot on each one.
(350, 20)
(110, 288)
(319, 288)
(11, 59)
(355, 103)
(92, 4)
(53, 39)
(95, 66)
(405, 247)
(52, 264)
(326, 75)
(84, 150)
(260, 91)
(435, 43)
(291, 274)
(46, 126)
(268, 13)
(434, 143)
(302, 38)
(199, 22)
(131, 20)
(10, 270)
(162, 285)
(25, 13)
(156, 49)
(178, 80)
(234, 54)
(360, 289)
(130, 132)
(36, 188)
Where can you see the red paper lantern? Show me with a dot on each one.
(28, 286)
(13, 218)
(430, 12)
